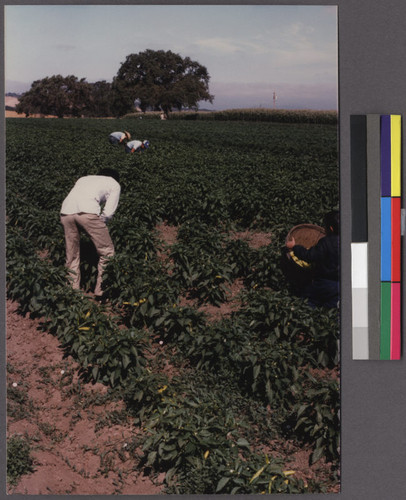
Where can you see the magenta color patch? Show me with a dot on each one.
(395, 321)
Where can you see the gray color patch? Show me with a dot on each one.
(374, 233)
(360, 315)
(360, 349)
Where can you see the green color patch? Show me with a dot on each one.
(385, 320)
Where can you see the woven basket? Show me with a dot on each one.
(306, 235)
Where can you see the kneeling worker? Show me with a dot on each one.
(82, 209)
(324, 290)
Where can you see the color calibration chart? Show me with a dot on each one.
(377, 228)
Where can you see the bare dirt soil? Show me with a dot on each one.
(12, 102)
(168, 234)
(83, 442)
(78, 440)
(68, 423)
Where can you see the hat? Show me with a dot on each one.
(146, 143)
(127, 134)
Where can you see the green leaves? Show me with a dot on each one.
(317, 420)
(161, 80)
(19, 460)
(206, 394)
(221, 484)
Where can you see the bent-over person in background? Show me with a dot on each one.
(119, 137)
(133, 146)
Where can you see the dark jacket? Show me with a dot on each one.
(325, 255)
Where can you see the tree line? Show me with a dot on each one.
(155, 80)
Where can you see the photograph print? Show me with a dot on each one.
(172, 249)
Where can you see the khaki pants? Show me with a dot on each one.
(99, 234)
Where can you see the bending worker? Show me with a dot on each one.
(324, 290)
(119, 137)
(135, 145)
(82, 209)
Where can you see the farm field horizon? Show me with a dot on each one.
(202, 337)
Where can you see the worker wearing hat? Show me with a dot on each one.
(119, 137)
(135, 145)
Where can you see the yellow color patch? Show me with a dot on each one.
(395, 132)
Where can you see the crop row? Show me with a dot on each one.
(253, 115)
(261, 364)
(262, 177)
(270, 373)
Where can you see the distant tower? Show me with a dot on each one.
(274, 99)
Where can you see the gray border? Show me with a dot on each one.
(373, 426)
(372, 75)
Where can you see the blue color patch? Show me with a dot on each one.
(386, 239)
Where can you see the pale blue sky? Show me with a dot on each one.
(250, 51)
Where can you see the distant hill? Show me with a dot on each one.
(11, 100)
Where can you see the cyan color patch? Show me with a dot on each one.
(386, 239)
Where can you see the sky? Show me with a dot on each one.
(250, 51)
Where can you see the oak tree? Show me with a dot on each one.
(160, 80)
(56, 95)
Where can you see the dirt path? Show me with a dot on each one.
(83, 443)
(80, 443)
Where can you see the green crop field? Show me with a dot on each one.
(265, 372)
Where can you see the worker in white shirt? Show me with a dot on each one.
(135, 145)
(119, 137)
(82, 208)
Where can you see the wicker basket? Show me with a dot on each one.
(306, 235)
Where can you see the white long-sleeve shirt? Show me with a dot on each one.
(89, 193)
